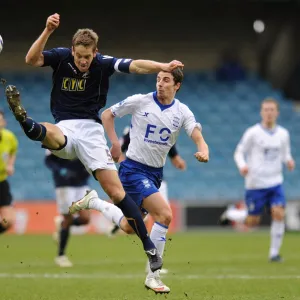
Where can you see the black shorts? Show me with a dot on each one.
(5, 195)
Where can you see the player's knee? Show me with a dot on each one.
(164, 217)
(116, 194)
(8, 222)
(54, 139)
(84, 217)
(84, 220)
(8, 217)
(277, 213)
(252, 221)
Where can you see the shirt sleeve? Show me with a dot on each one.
(287, 148)
(53, 57)
(189, 122)
(242, 149)
(120, 65)
(127, 106)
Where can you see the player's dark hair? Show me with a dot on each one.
(85, 37)
(178, 76)
(2, 113)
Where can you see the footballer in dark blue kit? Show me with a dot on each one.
(70, 179)
(80, 86)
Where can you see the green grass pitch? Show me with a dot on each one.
(202, 266)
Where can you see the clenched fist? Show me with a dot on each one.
(202, 156)
(52, 22)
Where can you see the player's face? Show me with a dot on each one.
(2, 122)
(165, 85)
(269, 113)
(83, 57)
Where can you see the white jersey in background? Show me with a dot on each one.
(263, 151)
(154, 127)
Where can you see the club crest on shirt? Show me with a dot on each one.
(176, 122)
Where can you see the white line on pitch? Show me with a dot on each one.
(131, 276)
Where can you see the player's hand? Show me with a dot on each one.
(172, 65)
(244, 171)
(290, 165)
(202, 156)
(178, 162)
(10, 170)
(52, 22)
(115, 151)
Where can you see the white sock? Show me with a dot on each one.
(237, 215)
(158, 236)
(277, 233)
(110, 211)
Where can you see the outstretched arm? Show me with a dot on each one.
(203, 152)
(287, 155)
(108, 122)
(35, 55)
(241, 151)
(141, 66)
(125, 107)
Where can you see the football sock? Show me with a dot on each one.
(77, 222)
(109, 210)
(133, 215)
(35, 131)
(63, 240)
(277, 233)
(158, 236)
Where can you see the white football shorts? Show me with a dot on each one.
(164, 190)
(85, 141)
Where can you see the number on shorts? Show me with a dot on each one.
(109, 154)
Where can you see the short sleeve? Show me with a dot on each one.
(189, 121)
(54, 56)
(127, 106)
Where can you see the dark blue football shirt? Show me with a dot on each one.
(77, 95)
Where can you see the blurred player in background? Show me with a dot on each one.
(259, 157)
(71, 183)
(177, 161)
(80, 87)
(157, 118)
(8, 151)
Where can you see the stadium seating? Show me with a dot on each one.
(224, 110)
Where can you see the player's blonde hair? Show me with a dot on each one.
(85, 37)
(270, 100)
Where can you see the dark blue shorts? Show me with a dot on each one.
(257, 200)
(139, 180)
